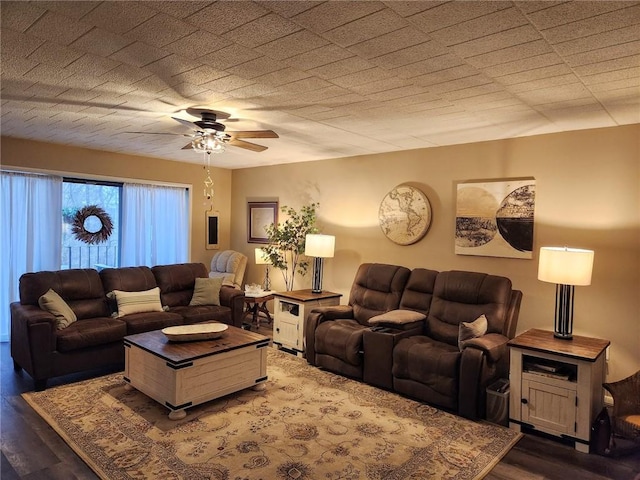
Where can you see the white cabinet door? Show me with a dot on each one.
(550, 408)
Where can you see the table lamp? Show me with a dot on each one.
(320, 247)
(566, 267)
(263, 259)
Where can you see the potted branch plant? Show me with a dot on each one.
(287, 240)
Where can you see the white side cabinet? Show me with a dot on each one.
(290, 313)
(556, 384)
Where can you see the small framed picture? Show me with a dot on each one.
(211, 231)
(259, 216)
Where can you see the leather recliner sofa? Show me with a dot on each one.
(95, 340)
(420, 359)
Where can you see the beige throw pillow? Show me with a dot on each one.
(54, 304)
(138, 302)
(397, 317)
(469, 330)
(206, 291)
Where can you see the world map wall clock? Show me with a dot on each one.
(404, 215)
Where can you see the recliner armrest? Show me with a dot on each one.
(493, 345)
(333, 312)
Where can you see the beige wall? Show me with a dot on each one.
(587, 195)
(85, 163)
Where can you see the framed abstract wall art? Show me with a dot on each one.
(495, 218)
(259, 216)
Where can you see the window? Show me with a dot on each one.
(86, 248)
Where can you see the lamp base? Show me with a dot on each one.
(563, 324)
(316, 286)
(563, 336)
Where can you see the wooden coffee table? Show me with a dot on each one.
(180, 375)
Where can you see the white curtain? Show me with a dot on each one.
(155, 225)
(31, 233)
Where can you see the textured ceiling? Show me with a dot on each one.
(333, 79)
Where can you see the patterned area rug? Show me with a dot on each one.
(307, 424)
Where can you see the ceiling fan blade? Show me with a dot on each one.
(248, 145)
(254, 134)
(188, 146)
(186, 123)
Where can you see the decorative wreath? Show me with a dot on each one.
(84, 235)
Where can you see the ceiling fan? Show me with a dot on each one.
(209, 134)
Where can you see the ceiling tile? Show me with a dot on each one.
(305, 85)
(520, 65)
(180, 9)
(221, 17)
(125, 75)
(86, 82)
(476, 88)
(90, 64)
(603, 54)
(557, 94)
(119, 17)
(497, 41)
(484, 26)
(229, 56)
(250, 91)
(291, 45)
(514, 55)
(445, 75)
(409, 8)
(18, 44)
(282, 77)
(257, 67)
(629, 75)
(618, 36)
(362, 77)
(197, 44)
(100, 42)
(228, 83)
(329, 15)
(54, 54)
(341, 68)
(389, 43)
(598, 24)
(459, 84)
(58, 28)
(20, 15)
(75, 9)
(425, 67)
(139, 54)
(608, 65)
(289, 9)
(200, 75)
(171, 65)
(161, 30)
(452, 13)
(534, 74)
(410, 55)
(319, 56)
(569, 12)
(366, 28)
(543, 83)
(262, 30)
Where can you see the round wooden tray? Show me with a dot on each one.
(201, 331)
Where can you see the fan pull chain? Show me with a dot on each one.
(208, 182)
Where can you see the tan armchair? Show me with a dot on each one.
(230, 265)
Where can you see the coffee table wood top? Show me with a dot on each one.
(178, 353)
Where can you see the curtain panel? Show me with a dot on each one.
(31, 233)
(155, 225)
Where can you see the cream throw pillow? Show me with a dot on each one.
(138, 302)
(397, 317)
(469, 330)
(54, 304)
(206, 291)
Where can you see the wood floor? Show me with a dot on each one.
(32, 450)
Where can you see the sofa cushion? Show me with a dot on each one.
(469, 330)
(397, 317)
(206, 291)
(431, 363)
(55, 305)
(148, 321)
(89, 333)
(138, 302)
(340, 339)
(203, 313)
(176, 282)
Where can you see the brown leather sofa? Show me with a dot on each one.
(419, 359)
(96, 339)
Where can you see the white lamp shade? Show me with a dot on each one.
(317, 245)
(565, 266)
(261, 257)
